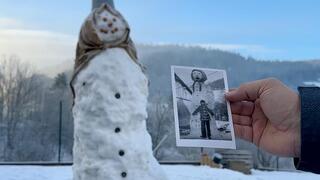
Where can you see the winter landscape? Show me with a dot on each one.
(37, 124)
(43, 146)
(42, 121)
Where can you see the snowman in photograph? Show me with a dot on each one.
(198, 87)
(110, 100)
(201, 92)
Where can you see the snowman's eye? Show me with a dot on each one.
(105, 19)
(114, 19)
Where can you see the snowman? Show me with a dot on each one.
(200, 92)
(110, 100)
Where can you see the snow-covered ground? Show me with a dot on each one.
(175, 172)
(313, 83)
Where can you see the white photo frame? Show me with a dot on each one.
(202, 115)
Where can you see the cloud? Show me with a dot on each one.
(9, 23)
(39, 47)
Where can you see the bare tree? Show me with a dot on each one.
(18, 91)
(159, 122)
(1, 99)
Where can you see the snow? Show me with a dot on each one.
(184, 172)
(313, 83)
(111, 92)
(35, 173)
(174, 172)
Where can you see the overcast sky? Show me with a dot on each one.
(45, 32)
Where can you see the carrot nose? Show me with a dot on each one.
(110, 25)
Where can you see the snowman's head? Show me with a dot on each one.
(109, 24)
(198, 75)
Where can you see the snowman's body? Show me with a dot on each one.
(110, 136)
(111, 140)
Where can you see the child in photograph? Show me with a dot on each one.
(205, 116)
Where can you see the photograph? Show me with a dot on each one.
(202, 114)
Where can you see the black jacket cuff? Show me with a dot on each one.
(310, 130)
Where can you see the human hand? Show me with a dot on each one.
(267, 113)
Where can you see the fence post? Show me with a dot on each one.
(60, 131)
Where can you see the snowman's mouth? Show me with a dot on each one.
(106, 31)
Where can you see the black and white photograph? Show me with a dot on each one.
(202, 115)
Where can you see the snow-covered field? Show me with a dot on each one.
(175, 172)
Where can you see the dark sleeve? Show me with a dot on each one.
(310, 130)
(210, 111)
(196, 111)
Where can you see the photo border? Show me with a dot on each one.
(226, 144)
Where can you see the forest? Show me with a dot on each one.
(30, 101)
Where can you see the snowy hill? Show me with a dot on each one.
(158, 57)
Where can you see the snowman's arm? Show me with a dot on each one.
(179, 80)
(196, 111)
(211, 111)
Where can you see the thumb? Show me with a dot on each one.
(247, 91)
